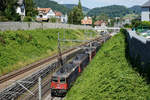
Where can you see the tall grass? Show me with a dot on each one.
(19, 48)
(110, 77)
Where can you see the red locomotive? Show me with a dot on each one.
(63, 79)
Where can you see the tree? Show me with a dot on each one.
(8, 9)
(30, 8)
(102, 17)
(3, 4)
(70, 17)
(76, 15)
(79, 5)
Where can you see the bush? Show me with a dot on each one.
(53, 20)
(127, 26)
(28, 19)
(3, 19)
(140, 25)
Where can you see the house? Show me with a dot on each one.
(45, 14)
(100, 23)
(145, 15)
(126, 21)
(21, 8)
(64, 18)
(86, 21)
(58, 14)
(101, 26)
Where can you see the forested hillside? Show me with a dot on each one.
(136, 9)
(111, 11)
(114, 11)
(51, 4)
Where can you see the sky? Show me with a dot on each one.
(101, 3)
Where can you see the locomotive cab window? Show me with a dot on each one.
(62, 80)
(54, 79)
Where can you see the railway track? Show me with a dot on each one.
(7, 94)
(54, 98)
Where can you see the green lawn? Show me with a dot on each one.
(19, 48)
(110, 77)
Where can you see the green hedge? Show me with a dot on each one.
(110, 77)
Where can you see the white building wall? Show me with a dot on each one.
(45, 16)
(50, 14)
(64, 19)
(145, 14)
(18, 10)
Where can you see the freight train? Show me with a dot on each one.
(63, 79)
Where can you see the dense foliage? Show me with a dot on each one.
(8, 10)
(76, 14)
(111, 11)
(19, 48)
(137, 24)
(114, 11)
(51, 4)
(110, 77)
(30, 8)
(136, 9)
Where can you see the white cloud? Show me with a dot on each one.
(100, 3)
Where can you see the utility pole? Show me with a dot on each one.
(91, 47)
(60, 61)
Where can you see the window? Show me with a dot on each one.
(62, 80)
(54, 79)
(40, 16)
(22, 8)
(145, 9)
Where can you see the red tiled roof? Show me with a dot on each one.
(44, 10)
(86, 22)
(99, 22)
(57, 13)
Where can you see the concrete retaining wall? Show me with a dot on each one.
(34, 25)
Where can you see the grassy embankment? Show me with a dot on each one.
(19, 48)
(110, 77)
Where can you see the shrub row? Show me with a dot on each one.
(110, 77)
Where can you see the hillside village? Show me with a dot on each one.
(47, 13)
